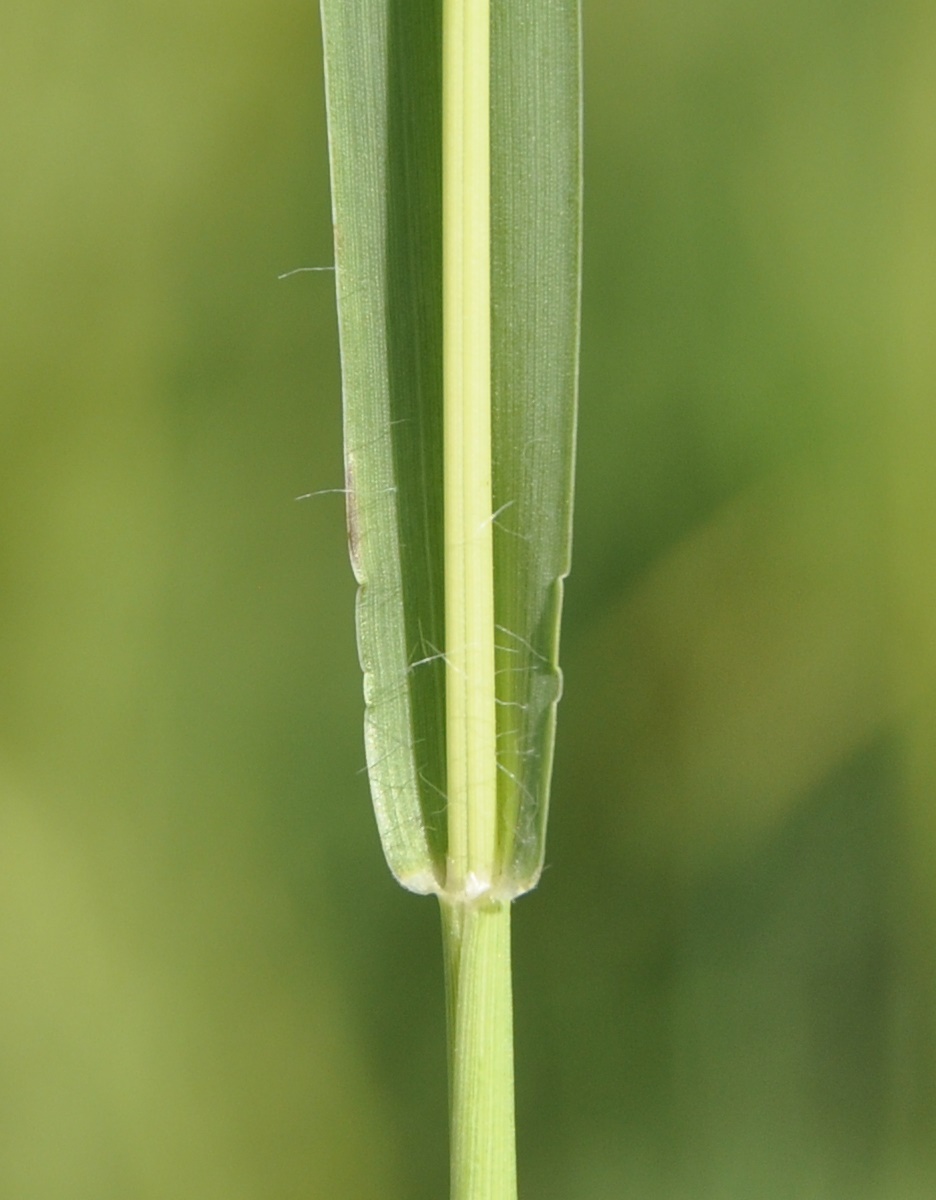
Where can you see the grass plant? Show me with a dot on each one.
(454, 134)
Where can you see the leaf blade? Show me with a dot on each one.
(536, 271)
(384, 147)
(383, 69)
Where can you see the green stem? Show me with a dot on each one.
(480, 1034)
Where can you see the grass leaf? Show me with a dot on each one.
(384, 93)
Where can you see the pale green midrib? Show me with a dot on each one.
(469, 561)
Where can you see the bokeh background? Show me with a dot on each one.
(209, 985)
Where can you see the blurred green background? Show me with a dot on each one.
(209, 985)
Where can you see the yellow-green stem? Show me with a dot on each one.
(469, 574)
(480, 1033)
